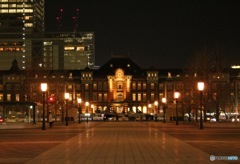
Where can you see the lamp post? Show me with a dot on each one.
(87, 104)
(79, 110)
(66, 98)
(156, 110)
(201, 88)
(176, 96)
(44, 89)
(164, 101)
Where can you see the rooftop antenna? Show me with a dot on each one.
(75, 20)
(59, 20)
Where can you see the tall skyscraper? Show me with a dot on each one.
(20, 20)
(21, 16)
(22, 37)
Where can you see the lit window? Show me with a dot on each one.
(28, 10)
(1, 97)
(19, 10)
(47, 43)
(12, 11)
(152, 97)
(69, 48)
(152, 85)
(139, 97)
(8, 97)
(4, 5)
(17, 97)
(28, 25)
(80, 49)
(4, 11)
(133, 97)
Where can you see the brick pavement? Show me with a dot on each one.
(113, 142)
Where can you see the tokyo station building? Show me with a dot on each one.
(119, 86)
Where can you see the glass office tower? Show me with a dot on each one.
(20, 20)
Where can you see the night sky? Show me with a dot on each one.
(154, 33)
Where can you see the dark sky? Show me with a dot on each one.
(159, 33)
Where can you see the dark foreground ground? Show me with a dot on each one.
(215, 139)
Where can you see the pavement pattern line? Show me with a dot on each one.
(122, 143)
(30, 142)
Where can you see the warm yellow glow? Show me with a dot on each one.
(155, 103)
(79, 100)
(69, 48)
(235, 66)
(176, 95)
(44, 87)
(66, 96)
(149, 105)
(87, 103)
(80, 49)
(164, 100)
(28, 25)
(200, 86)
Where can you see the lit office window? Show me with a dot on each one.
(139, 97)
(3, 11)
(28, 25)
(152, 97)
(17, 97)
(144, 86)
(95, 86)
(28, 10)
(133, 97)
(100, 97)
(152, 85)
(139, 86)
(4, 5)
(80, 49)
(105, 97)
(8, 97)
(69, 87)
(144, 97)
(69, 48)
(12, 10)
(47, 43)
(134, 85)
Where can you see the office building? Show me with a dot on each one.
(19, 21)
(22, 37)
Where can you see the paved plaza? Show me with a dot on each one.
(119, 143)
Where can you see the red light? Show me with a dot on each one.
(51, 99)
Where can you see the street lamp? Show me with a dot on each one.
(176, 96)
(44, 89)
(79, 109)
(156, 109)
(66, 98)
(164, 101)
(87, 104)
(201, 88)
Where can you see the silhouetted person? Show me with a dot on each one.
(50, 119)
(117, 118)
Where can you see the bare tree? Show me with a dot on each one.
(207, 65)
